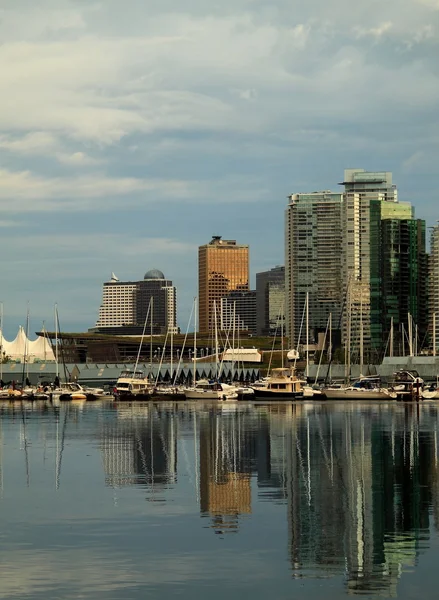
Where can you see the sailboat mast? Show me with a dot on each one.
(361, 332)
(150, 341)
(330, 344)
(56, 343)
(172, 355)
(216, 341)
(391, 338)
(307, 334)
(1, 341)
(25, 350)
(195, 341)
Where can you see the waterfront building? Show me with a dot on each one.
(127, 306)
(434, 288)
(270, 301)
(238, 311)
(313, 262)
(360, 256)
(404, 272)
(384, 263)
(118, 306)
(223, 267)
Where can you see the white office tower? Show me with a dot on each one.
(119, 301)
(130, 307)
(171, 308)
(313, 263)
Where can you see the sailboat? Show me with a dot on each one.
(282, 383)
(132, 383)
(366, 387)
(205, 389)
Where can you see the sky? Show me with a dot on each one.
(131, 132)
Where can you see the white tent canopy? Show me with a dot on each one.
(22, 348)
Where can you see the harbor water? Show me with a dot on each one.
(100, 500)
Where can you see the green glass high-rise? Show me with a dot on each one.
(385, 265)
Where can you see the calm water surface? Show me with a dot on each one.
(108, 501)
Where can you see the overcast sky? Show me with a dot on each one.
(131, 132)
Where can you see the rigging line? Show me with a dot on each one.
(272, 348)
(25, 349)
(141, 339)
(321, 353)
(339, 325)
(66, 371)
(300, 333)
(162, 356)
(177, 370)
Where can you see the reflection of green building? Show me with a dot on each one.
(358, 492)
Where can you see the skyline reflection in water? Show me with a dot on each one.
(177, 497)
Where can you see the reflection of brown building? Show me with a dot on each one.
(224, 494)
(223, 267)
(230, 496)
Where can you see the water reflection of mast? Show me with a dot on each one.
(24, 438)
(1, 458)
(196, 457)
(59, 450)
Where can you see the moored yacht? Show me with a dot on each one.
(365, 388)
(211, 390)
(133, 385)
(407, 385)
(283, 384)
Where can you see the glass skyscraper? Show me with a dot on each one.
(270, 301)
(360, 256)
(223, 267)
(313, 262)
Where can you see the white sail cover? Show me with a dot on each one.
(22, 348)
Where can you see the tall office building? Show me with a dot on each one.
(313, 261)
(404, 280)
(361, 256)
(118, 306)
(270, 301)
(238, 311)
(384, 261)
(127, 306)
(223, 267)
(433, 325)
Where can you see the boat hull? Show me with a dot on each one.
(277, 395)
(209, 395)
(130, 397)
(351, 394)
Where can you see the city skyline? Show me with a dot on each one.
(129, 137)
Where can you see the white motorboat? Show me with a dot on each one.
(313, 391)
(211, 390)
(407, 385)
(133, 385)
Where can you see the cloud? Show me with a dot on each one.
(36, 193)
(191, 116)
(43, 143)
(375, 32)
